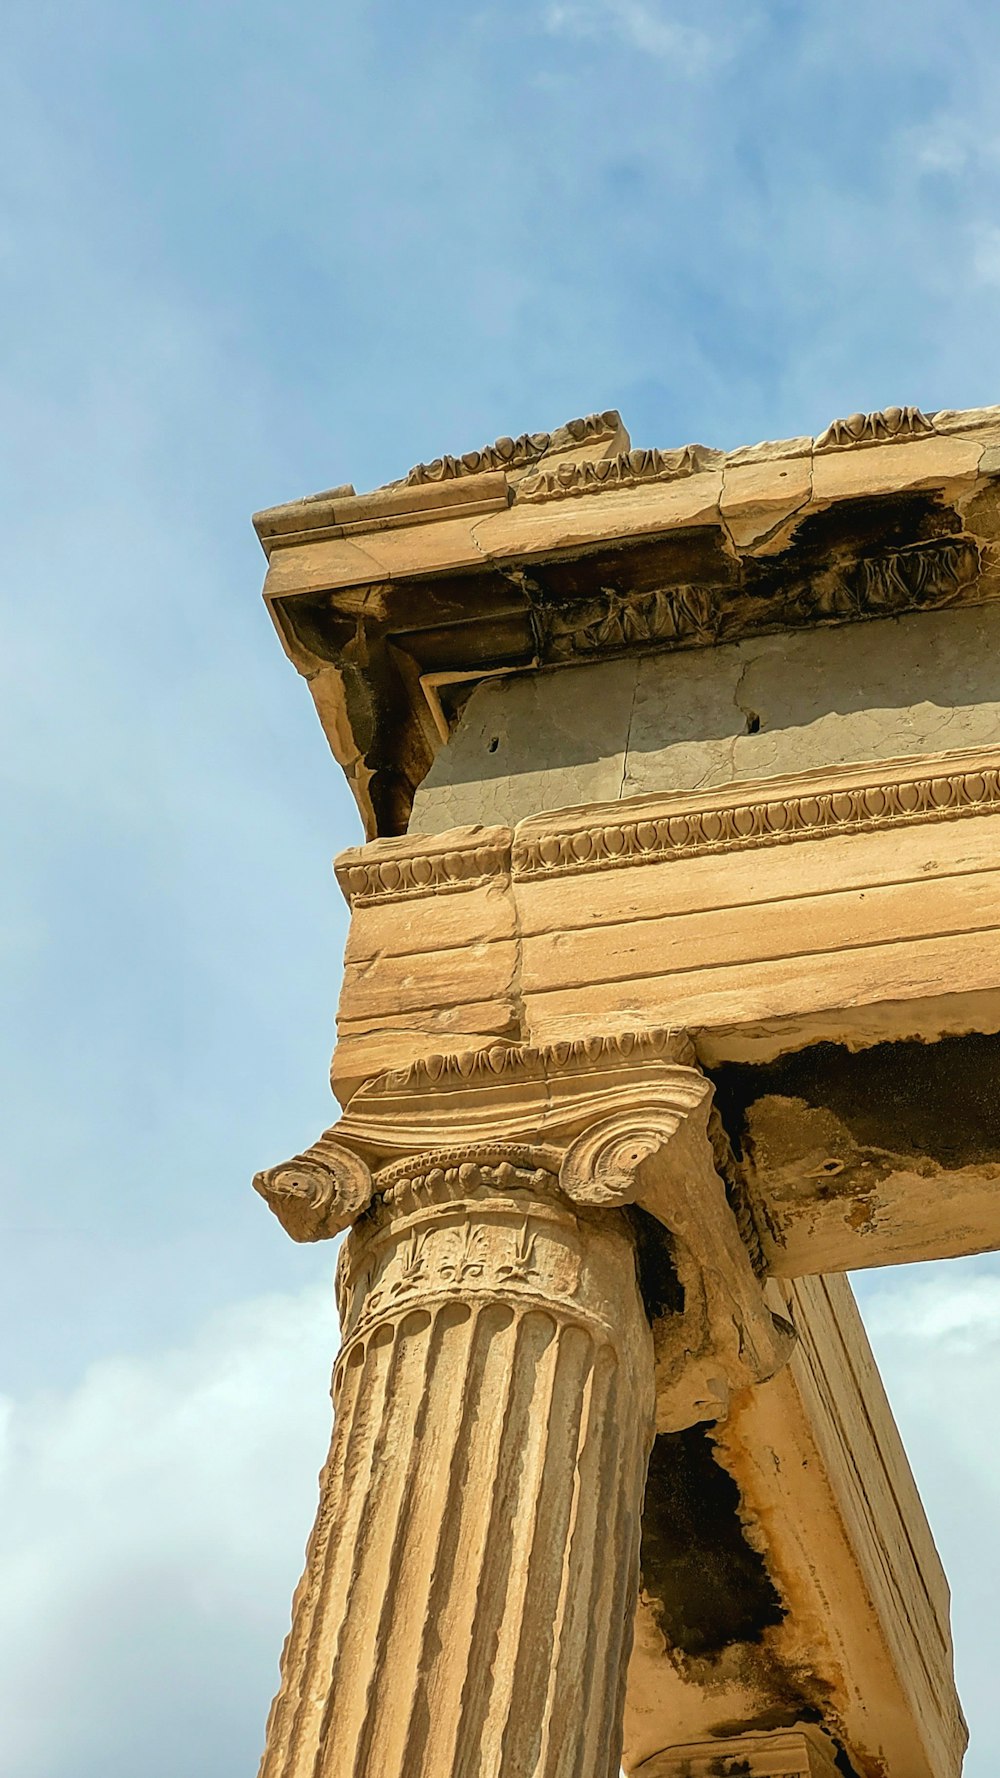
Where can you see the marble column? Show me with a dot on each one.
(467, 1606)
(470, 1590)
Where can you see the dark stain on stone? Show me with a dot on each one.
(674, 558)
(708, 1587)
(938, 1101)
(875, 522)
(782, 1716)
(659, 1286)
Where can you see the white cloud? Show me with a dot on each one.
(986, 254)
(152, 1524)
(941, 147)
(643, 24)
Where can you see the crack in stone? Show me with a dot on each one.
(724, 523)
(746, 710)
(628, 731)
(474, 540)
(764, 537)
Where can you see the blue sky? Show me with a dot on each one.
(246, 252)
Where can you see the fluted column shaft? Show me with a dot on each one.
(467, 1606)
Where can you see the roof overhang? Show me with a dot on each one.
(558, 549)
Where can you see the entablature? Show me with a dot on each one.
(558, 549)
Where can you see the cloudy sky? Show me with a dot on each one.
(248, 251)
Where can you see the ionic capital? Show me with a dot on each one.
(586, 1128)
(788, 1753)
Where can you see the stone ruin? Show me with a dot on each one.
(671, 996)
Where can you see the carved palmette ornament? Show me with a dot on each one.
(516, 453)
(481, 1230)
(884, 426)
(630, 469)
(617, 619)
(921, 577)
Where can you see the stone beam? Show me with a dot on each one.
(394, 604)
(789, 1576)
(856, 904)
(879, 1157)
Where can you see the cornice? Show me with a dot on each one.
(557, 548)
(429, 491)
(343, 513)
(660, 828)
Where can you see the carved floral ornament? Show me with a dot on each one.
(473, 1173)
(629, 469)
(616, 620)
(884, 426)
(515, 453)
(633, 467)
(921, 577)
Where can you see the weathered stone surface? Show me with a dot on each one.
(858, 1158)
(921, 463)
(788, 1572)
(474, 1559)
(882, 691)
(581, 550)
(473, 1572)
(739, 712)
(759, 498)
(857, 903)
(797, 1753)
(699, 757)
(522, 741)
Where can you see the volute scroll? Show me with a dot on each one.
(660, 1155)
(318, 1193)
